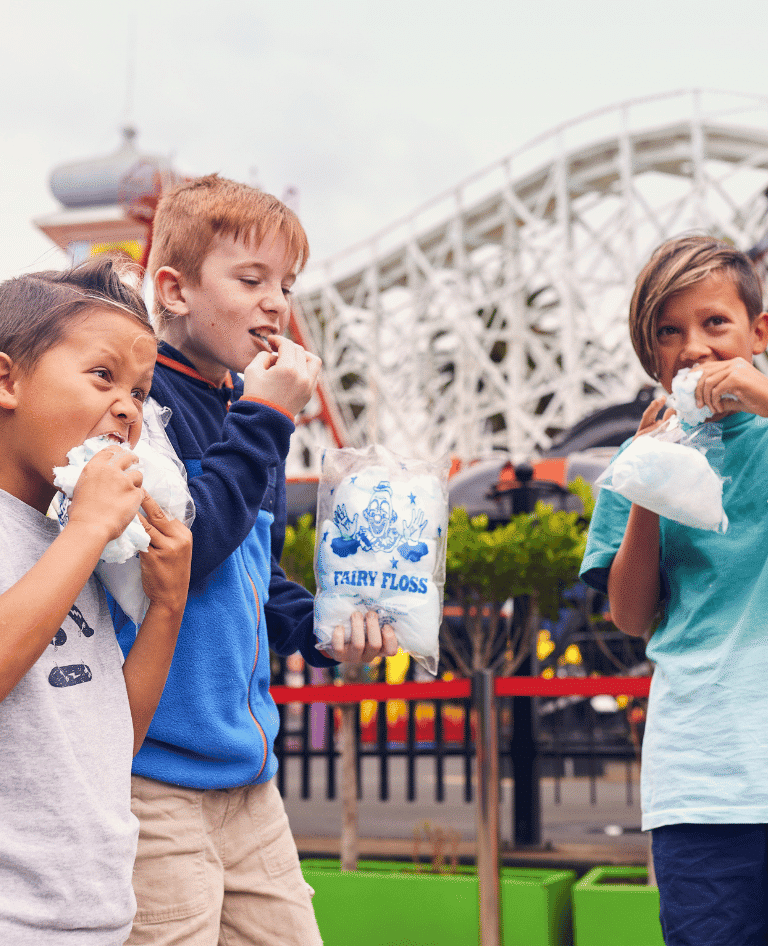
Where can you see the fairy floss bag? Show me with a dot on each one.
(381, 537)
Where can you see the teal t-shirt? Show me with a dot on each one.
(705, 751)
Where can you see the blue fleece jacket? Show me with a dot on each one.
(216, 723)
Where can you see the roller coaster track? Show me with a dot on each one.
(494, 316)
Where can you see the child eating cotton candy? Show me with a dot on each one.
(381, 546)
(699, 598)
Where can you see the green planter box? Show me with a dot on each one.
(389, 903)
(614, 906)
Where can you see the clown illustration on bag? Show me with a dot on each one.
(381, 534)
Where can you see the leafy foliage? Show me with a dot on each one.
(535, 556)
(299, 552)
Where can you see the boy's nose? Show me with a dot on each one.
(274, 300)
(694, 348)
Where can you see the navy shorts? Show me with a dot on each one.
(713, 884)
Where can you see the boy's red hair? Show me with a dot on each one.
(192, 215)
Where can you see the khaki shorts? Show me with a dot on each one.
(218, 868)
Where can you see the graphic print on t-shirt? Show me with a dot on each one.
(71, 674)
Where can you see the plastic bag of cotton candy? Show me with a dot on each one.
(381, 537)
(165, 480)
(673, 471)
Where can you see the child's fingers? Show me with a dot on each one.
(153, 517)
(299, 357)
(155, 536)
(650, 413)
(114, 456)
(372, 631)
(337, 639)
(314, 364)
(357, 637)
(284, 348)
(724, 385)
(648, 421)
(389, 640)
(264, 360)
(121, 459)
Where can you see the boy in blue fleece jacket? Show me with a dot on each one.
(216, 859)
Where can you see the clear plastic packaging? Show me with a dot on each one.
(675, 472)
(382, 525)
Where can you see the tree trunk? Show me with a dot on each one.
(349, 790)
(486, 729)
(349, 815)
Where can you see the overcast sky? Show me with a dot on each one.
(369, 109)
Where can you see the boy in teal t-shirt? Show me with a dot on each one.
(698, 304)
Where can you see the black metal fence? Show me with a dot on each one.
(572, 737)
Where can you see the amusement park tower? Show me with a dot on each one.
(107, 202)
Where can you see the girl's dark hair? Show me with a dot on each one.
(36, 310)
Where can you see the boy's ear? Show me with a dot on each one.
(169, 290)
(8, 397)
(760, 334)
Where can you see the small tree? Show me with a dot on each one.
(535, 557)
(532, 559)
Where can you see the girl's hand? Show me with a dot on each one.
(727, 387)
(166, 563)
(286, 377)
(108, 494)
(649, 422)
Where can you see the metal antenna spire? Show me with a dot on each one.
(130, 76)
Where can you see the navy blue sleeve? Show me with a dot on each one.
(231, 456)
(290, 614)
(290, 610)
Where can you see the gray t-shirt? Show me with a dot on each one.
(67, 835)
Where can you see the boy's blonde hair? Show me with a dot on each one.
(192, 215)
(676, 265)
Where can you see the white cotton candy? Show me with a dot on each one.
(134, 539)
(381, 547)
(684, 397)
(670, 479)
(164, 478)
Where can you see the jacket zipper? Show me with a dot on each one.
(250, 682)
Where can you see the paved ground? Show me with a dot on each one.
(575, 832)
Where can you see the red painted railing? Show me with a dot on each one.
(460, 689)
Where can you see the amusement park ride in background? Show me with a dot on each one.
(490, 324)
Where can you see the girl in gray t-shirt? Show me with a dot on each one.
(77, 353)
